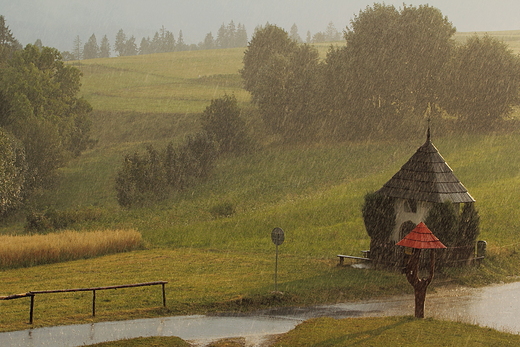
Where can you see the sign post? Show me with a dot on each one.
(277, 236)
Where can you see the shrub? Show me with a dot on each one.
(379, 217)
(221, 120)
(150, 177)
(225, 209)
(52, 219)
(141, 179)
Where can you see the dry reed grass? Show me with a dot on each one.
(31, 250)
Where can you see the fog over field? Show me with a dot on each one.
(58, 22)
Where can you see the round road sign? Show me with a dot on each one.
(277, 236)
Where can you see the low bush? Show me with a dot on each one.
(30, 250)
(52, 219)
(225, 209)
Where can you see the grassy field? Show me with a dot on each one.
(180, 82)
(313, 192)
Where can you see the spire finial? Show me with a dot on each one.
(429, 115)
(428, 134)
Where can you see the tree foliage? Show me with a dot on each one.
(12, 172)
(457, 231)
(104, 48)
(389, 71)
(162, 42)
(230, 36)
(443, 221)
(266, 43)
(148, 178)
(40, 107)
(125, 46)
(379, 218)
(221, 121)
(8, 43)
(482, 83)
(284, 79)
(378, 215)
(91, 49)
(399, 65)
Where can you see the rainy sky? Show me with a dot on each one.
(58, 22)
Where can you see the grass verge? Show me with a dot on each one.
(373, 332)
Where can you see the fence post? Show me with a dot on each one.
(163, 295)
(93, 303)
(31, 310)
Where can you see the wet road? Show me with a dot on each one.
(496, 306)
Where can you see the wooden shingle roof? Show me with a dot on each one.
(426, 177)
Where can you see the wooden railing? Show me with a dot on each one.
(33, 293)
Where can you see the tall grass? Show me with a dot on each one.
(30, 250)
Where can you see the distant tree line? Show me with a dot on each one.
(43, 122)
(398, 66)
(228, 36)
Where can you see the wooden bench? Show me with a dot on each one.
(342, 258)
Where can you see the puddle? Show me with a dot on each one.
(496, 307)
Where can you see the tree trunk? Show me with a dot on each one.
(420, 285)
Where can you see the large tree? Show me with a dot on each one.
(266, 42)
(39, 106)
(284, 79)
(389, 71)
(482, 83)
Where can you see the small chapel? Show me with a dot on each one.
(425, 189)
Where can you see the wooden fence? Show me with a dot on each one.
(33, 293)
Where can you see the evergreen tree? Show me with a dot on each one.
(145, 46)
(181, 46)
(231, 32)
(104, 48)
(209, 42)
(77, 50)
(8, 44)
(169, 42)
(294, 34)
(241, 36)
(120, 43)
(331, 34)
(222, 37)
(91, 48)
(38, 43)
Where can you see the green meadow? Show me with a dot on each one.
(313, 192)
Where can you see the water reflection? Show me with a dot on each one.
(495, 306)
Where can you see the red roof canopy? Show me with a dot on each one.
(422, 238)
